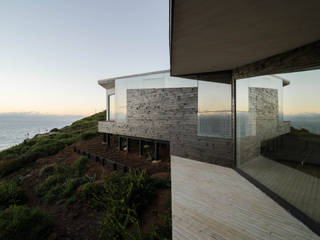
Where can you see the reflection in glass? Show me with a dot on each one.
(157, 80)
(112, 107)
(214, 100)
(214, 109)
(278, 143)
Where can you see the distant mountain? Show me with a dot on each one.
(308, 121)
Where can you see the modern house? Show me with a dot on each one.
(239, 168)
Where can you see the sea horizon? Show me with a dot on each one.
(16, 127)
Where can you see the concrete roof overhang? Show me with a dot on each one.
(210, 36)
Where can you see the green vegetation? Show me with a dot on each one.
(11, 192)
(18, 222)
(80, 166)
(62, 182)
(47, 171)
(122, 198)
(163, 230)
(29, 151)
(23, 223)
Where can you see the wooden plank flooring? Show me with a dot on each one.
(213, 202)
(298, 188)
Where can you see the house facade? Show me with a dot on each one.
(155, 106)
(243, 163)
(267, 51)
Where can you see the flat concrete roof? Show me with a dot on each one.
(109, 82)
(221, 35)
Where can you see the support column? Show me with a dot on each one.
(127, 143)
(156, 151)
(108, 139)
(140, 147)
(119, 143)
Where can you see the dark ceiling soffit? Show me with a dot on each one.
(220, 77)
(299, 59)
(171, 3)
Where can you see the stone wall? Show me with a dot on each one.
(263, 122)
(171, 114)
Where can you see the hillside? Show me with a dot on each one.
(49, 191)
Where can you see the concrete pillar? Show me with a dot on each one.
(119, 143)
(108, 140)
(140, 147)
(156, 150)
(127, 143)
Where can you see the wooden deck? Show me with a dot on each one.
(213, 202)
(300, 189)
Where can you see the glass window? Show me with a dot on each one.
(157, 80)
(214, 109)
(278, 135)
(112, 107)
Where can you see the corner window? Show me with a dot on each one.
(214, 110)
(111, 108)
(278, 136)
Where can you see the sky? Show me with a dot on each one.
(301, 96)
(53, 52)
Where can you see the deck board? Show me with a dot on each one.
(213, 202)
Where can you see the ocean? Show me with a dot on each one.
(16, 127)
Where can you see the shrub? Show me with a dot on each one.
(90, 192)
(163, 230)
(71, 186)
(53, 193)
(89, 134)
(11, 192)
(54, 130)
(123, 198)
(64, 181)
(49, 183)
(23, 223)
(80, 166)
(9, 166)
(47, 171)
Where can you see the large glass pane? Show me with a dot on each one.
(157, 80)
(278, 135)
(112, 107)
(214, 109)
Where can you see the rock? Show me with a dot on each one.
(156, 161)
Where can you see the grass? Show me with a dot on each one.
(62, 182)
(80, 166)
(122, 198)
(47, 171)
(26, 153)
(162, 230)
(18, 222)
(23, 223)
(11, 192)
